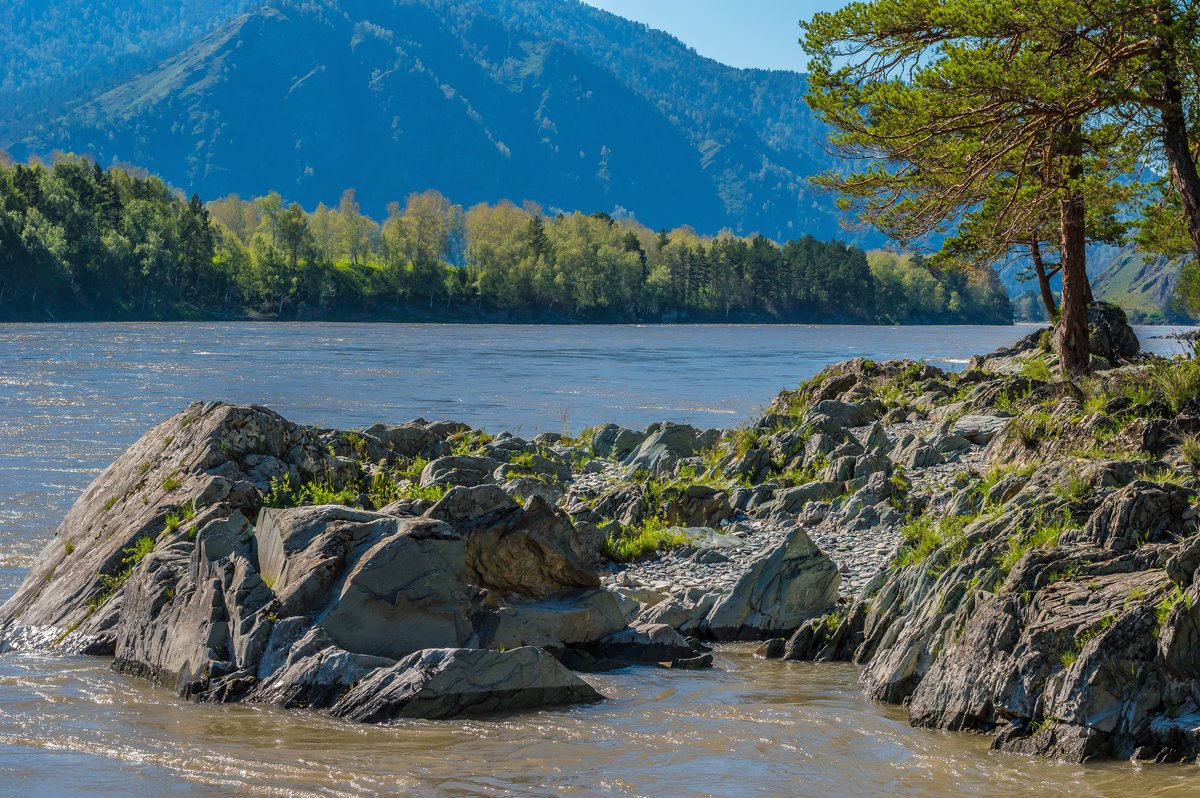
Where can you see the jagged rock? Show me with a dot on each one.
(408, 440)
(644, 643)
(877, 441)
(753, 465)
(979, 430)
(791, 501)
(850, 414)
(679, 614)
(1109, 334)
(664, 446)
(447, 683)
(459, 470)
(616, 442)
(777, 593)
(696, 505)
(566, 618)
(912, 452)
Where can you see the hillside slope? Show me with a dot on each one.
(547, 100)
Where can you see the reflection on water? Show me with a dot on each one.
(73, 397)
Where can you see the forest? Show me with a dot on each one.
(81, 242)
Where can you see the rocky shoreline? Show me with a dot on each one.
(1000, 551)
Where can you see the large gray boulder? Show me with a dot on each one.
(850, 414)
(779, 591)
(459, 470)
(665, 446)
(790, 502)
(979, 429)
(616, 442)
(1109, 333)
(448, 683)
(696, 505)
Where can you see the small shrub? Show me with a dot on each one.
(280, 493)
(412, 471)
(110, 502)
(1043, 534)
(325, 493)
(634, 543)
(383, 489)
(138, 551)
(189, 511)
(1164, 608)
(1177, 381)
(1037, 368)
(173, 521)
(1189, 451)
(358, 444)
(923, 536)
(1035, 427)
(69, 547)
(171, 483)
(469, 442)
(1073, 487)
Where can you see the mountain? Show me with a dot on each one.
(1141, 283)
(551, 101)
(59, 51)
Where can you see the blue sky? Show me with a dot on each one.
(743, 33)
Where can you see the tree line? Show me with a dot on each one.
(81, 242)
(1018, 130)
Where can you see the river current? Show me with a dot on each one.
(72, 397)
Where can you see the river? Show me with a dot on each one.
(72, 397)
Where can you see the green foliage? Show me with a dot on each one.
(467, 443)
(1036, 426)
(172, 522)
(1074, 487)
(1037, 368)
(280, 493)
(324, 493)
(1043, 533)
(171, 483)
(110, 502)
(1176, 381)
(111, 583)
(634, 543)
(104, 243)
(1189, 450)
(357, 443)
(923, 536)
(1068, 658)
(69, 547)
(1175, 597)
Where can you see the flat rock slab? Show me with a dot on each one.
(450, 682)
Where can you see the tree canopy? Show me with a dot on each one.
(77, 241)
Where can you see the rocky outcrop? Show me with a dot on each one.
(665, 445)
(1047, 623)
(778, 593)
(421, 608)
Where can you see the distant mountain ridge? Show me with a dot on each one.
(552, 101)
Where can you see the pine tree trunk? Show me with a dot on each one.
(1175, 132)
(1039, 266)
(1072, 338)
